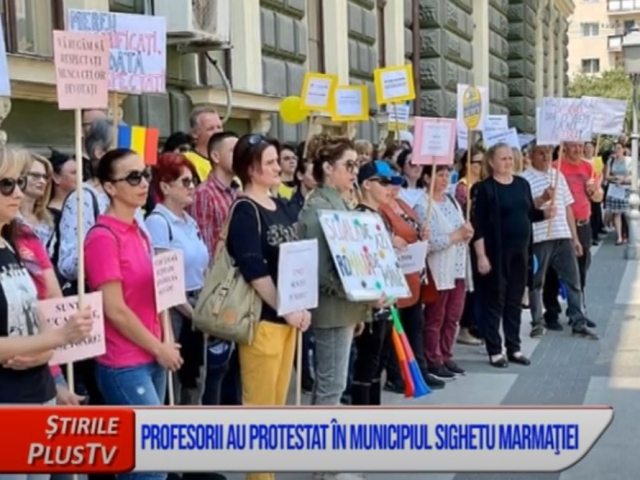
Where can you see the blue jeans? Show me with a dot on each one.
(144, 385)
(222, 382)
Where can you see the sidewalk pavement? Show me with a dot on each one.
(565, 371)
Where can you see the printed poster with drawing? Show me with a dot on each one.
(363, 255)
(57, 311)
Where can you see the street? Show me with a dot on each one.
(564, 371)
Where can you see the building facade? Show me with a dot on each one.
(516, 48)
(293, 40)
(596, 31)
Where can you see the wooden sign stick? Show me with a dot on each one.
(470, 137)
(555, 188)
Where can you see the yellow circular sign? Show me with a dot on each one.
(472, 107)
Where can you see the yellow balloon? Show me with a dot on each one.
(291, 110)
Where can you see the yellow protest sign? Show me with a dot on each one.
(318, 92)
(351, 104)
(472, 107)
(394, 84)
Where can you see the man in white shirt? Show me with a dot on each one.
(557, 248)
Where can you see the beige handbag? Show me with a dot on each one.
(228, 307)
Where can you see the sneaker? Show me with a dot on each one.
(441, 372)
(537, 331)
(591, 324)
(555, 326)
(393, 388)
(432, 382)
(585, 332)
(454, 368)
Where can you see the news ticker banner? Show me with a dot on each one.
(117, 440)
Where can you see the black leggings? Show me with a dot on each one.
(372, 347)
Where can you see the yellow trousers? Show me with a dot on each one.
(265, 370)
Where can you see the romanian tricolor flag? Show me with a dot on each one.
(142, 140)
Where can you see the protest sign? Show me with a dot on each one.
(297, 276)
(510, 137)
(495, 123)
(434, 141)
(168, 273)
(5, 84)
(608, 115)
(57, 312)
(394, 84)
(564, 120)
(413, 258)
(318, 92)
(473, 105)
(351, 104)
(138, 55)
(399, 116)
(82, 67)
(363, 255)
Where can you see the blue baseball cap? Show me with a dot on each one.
(379, 169)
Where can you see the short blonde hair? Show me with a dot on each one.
(363, 147)
(518, 165)
(40, 210)
(14, 161)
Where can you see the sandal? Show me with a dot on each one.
(499, 362)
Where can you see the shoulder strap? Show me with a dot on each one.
(154, 212)
(224, 233)
(99, 225)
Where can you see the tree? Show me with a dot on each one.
(609, 84)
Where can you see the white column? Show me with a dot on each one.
(394, 35)
(551, 58)
(481, 43)
(560, 58)
(246, 65)
(336, 38)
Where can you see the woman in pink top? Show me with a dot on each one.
(118, 262)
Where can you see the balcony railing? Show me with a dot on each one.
(614, 43)
(623, 6)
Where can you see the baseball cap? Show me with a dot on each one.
(378, 169)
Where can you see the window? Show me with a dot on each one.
(590, 65)
(590, 29)
(28, 25)
(316, 36)
(629, 25)
(129, 6)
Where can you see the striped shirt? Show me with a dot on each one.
(539, 182)
(210, 209)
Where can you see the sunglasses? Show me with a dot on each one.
(256, 139)
(8, 185)
(135, 178)
(350, 166)
(38, 176)
(385, 182)
(187, 182)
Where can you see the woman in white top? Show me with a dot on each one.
(448, 262)
(37, 193)
(171, 228)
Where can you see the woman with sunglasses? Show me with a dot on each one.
(468, 334)
(119, 263)
(26, 344)
(33, 211)
(95, 201)
(172, 228)
(336, 320)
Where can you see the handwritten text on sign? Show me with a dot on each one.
(82, 66)
(297, 276)
(58, 311)
(138, 60)
(363, 255)
(565, 120)
(169, 279)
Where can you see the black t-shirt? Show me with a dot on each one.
(256, 252)
(19, 318)
(515, 209)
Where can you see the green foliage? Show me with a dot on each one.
(609, 84)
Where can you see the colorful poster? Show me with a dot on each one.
(57, 311)
(82, 68)
(138, 48)
(363, 255)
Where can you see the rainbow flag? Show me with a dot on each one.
(142, 140)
